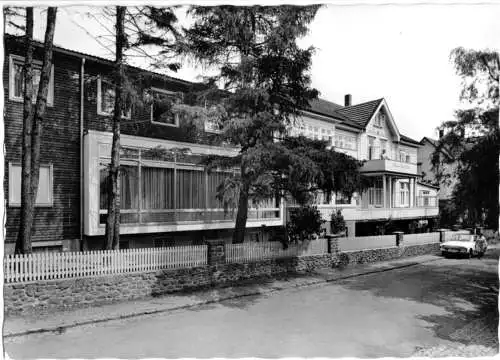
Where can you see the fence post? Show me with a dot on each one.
(216, 252)
(442, 234)
(399, 238)
(333, 243)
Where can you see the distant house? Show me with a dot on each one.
(427, 148)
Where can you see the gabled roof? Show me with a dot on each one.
(409, 140)
(427, 184)
(360, 114)
(435, 143)
(328, 108)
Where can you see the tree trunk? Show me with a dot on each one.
(23, 241)
(113, 219)
(242, 214)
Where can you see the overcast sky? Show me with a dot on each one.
(399, 52)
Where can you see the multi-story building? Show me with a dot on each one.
(368, 132)
(166, 196)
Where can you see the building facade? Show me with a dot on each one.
(167, 198)
(368, 132)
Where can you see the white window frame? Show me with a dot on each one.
(166, 92)
(209, 129)
(16, 59)
(99, 101)
(12, 200)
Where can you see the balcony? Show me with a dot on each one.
(426, 206)
(391, 166)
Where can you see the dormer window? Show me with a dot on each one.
(162, 107)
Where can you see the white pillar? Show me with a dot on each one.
(390, 192)
(384, 191)
(410, 185)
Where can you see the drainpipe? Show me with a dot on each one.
(82, 81)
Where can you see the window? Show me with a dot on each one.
(157, 188)
(162, 107)
(375, 193)
(340, 198)
(384, 151)
(373, 150)
(129, 192)
(214, 124)
(379, 120)
(345, 141)
(16, 80)
(404, 194)
(44, 193)
(106, 99)
(425, 195)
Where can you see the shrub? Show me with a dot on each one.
(305, 223)
(337, 222)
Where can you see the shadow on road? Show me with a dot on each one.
(467, 289)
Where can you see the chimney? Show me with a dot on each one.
(441, 133)
(348, 100)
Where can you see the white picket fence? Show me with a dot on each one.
(48, 266)
(423, 238)
(366, 242)
(448, 235)
(272, 250)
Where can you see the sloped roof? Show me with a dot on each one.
(435, 143)
(360, 114)
(409, 139)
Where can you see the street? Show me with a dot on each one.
(427, 309)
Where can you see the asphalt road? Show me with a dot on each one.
(447, 304)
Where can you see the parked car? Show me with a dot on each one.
(466, 245)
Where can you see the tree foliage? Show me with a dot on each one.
(305, 223)
(472, 140)
(266, 86)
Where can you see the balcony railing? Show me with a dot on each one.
(426, 201)
(174, 216)
(385, 165)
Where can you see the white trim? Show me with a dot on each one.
(127, 116)
(390, 118)
(321, 117)
(19, 59)
(14, 203)
(106, 138)
(165, 92)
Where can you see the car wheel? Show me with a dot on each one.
(444, 254)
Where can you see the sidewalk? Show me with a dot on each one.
(58, 321)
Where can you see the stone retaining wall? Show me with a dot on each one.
(75, 293)
(390, 253)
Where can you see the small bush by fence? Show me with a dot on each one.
(272, 250)
(48, 266)
(366, 242)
